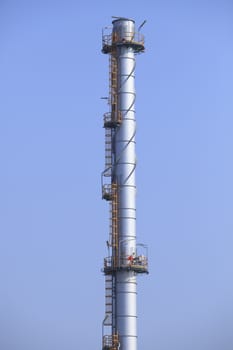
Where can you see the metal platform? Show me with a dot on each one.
(139, 264)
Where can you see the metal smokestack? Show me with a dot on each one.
(126, 258)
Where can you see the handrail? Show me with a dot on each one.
(112, 118)
(139, 262)
(111, 341)
(129, 37)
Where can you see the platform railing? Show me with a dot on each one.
(111, 342)
(138, 263)
(126, 37)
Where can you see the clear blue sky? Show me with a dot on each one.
(53, 223)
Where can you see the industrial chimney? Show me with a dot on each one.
(126, 258)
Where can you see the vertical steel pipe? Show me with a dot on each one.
(126, 284)
(124, 264)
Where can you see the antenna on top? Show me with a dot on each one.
(141, 25)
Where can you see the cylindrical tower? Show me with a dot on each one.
(125, 259)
